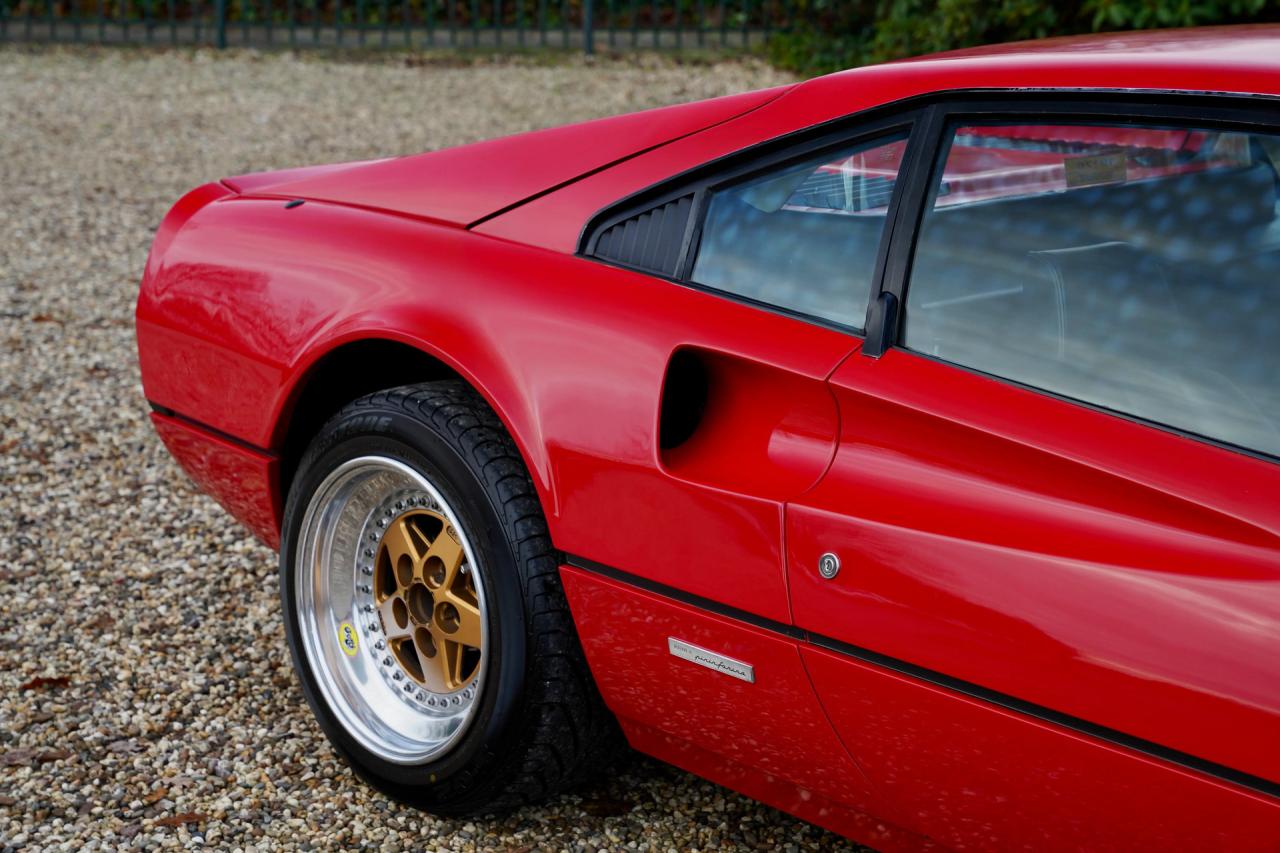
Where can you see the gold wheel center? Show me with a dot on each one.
(427, 602)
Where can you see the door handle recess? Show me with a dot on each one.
(743, 425)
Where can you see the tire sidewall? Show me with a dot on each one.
(390, 432)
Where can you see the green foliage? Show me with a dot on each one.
(1139, 15)
(828, 35)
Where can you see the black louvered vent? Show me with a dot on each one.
(649, 241)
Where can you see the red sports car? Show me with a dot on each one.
(900, 448)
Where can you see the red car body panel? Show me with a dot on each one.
(465, 184)
(971, 776)
(604, 488)
(265, 182)
(774, 724)
(774, 790)
(240, 478)
(1062, 627)
(1089, 564)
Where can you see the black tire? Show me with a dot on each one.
(539, 727)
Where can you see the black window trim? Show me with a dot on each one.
(924, 118)
(1201, 110)
(894, 120)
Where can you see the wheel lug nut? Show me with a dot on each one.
(380, 645)
(397, 675)
(368, 608)
(368, 570)
(368, 552)
(386, 661)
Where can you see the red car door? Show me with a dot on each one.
(1041, 579)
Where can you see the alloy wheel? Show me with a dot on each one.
(391, 603)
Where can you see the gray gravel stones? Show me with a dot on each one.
(146, 698)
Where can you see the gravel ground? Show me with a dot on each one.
(146, 697)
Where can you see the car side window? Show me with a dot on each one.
(803, 236)
(1133, 268)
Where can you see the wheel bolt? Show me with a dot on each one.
(386, 661)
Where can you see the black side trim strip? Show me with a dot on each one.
(973, 691)
(688, 598)
(205, 428)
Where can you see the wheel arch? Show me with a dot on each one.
(339, 371)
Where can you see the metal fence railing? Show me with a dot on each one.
(405, 24)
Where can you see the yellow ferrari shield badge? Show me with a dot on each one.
(348, 639)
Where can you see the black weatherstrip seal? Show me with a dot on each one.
(208, 430)
(929, 676)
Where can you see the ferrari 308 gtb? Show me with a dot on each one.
(900, 448)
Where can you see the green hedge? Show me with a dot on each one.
(832, 34)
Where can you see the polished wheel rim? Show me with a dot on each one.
(391, 606)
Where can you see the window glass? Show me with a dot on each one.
(1133, 268)
(804, 236)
